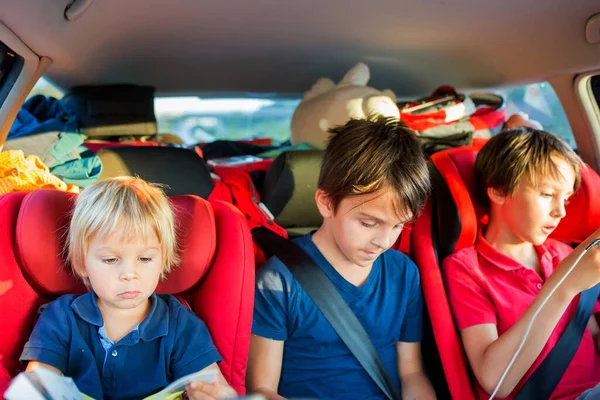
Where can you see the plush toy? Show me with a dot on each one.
(327, 105)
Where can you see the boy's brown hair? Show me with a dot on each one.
(516, 153)
(364, 156)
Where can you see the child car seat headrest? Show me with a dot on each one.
(183, 171)
(42, 227)
(289, 188)
(460, 215)
(583, 214)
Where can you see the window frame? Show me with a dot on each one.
(21, 84)
(9, 78)
(591, 110)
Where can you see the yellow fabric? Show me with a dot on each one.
(25, 174)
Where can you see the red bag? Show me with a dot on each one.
(246, 198)
(447, 119)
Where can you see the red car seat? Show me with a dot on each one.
(183, 172)
(450, 223)
(215, 276)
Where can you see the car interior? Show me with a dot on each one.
(199, 97)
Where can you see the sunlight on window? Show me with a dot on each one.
(195, 119)
(46, 88)
(539, 102)
(189, 105)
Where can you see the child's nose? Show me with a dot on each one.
(128, 276)
(383, 242)
(559, 209)
(129, 271)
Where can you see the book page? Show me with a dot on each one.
(45, 383)
(179, 385)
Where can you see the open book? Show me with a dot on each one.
(43, 384)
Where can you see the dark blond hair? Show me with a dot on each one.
(522, 152)
(142, 207)
(364, 156)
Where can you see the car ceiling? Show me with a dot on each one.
(190, 46)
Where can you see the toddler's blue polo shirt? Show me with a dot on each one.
(170, 343)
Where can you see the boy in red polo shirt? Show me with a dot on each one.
(525, 176)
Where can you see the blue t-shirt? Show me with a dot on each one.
(316, 363)
(169, 343)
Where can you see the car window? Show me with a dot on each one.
(539, 102)
(11, 65)
(196, 119)
(46, 88)
(596, 89)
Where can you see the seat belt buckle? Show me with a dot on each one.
(266, 212)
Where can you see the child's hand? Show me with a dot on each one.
(587, 272)
(210, 391)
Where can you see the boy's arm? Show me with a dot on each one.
(415, 384)
(275, 291)
(49, 342)
(264, 366)
(32, 364)
(489, 354)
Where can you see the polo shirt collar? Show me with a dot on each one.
(502, 261)
(155, 325)
(86, 307)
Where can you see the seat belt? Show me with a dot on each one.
(329, 301)
(545, 378)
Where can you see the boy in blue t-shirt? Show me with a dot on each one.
(121, 340)
(373, 180)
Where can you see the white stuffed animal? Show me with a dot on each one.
(327, 105)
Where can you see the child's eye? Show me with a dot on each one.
(110, 261)
(145, 259)
(547, 194)
(367, 225)
(399, 226)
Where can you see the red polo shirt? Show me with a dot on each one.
(487, 287)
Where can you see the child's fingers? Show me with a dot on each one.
(203, 391)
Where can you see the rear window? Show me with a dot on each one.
(195, 119)
(539, 102)
(10, 67)
(45, 88)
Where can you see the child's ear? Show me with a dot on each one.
(324, 204)
(496, 196)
